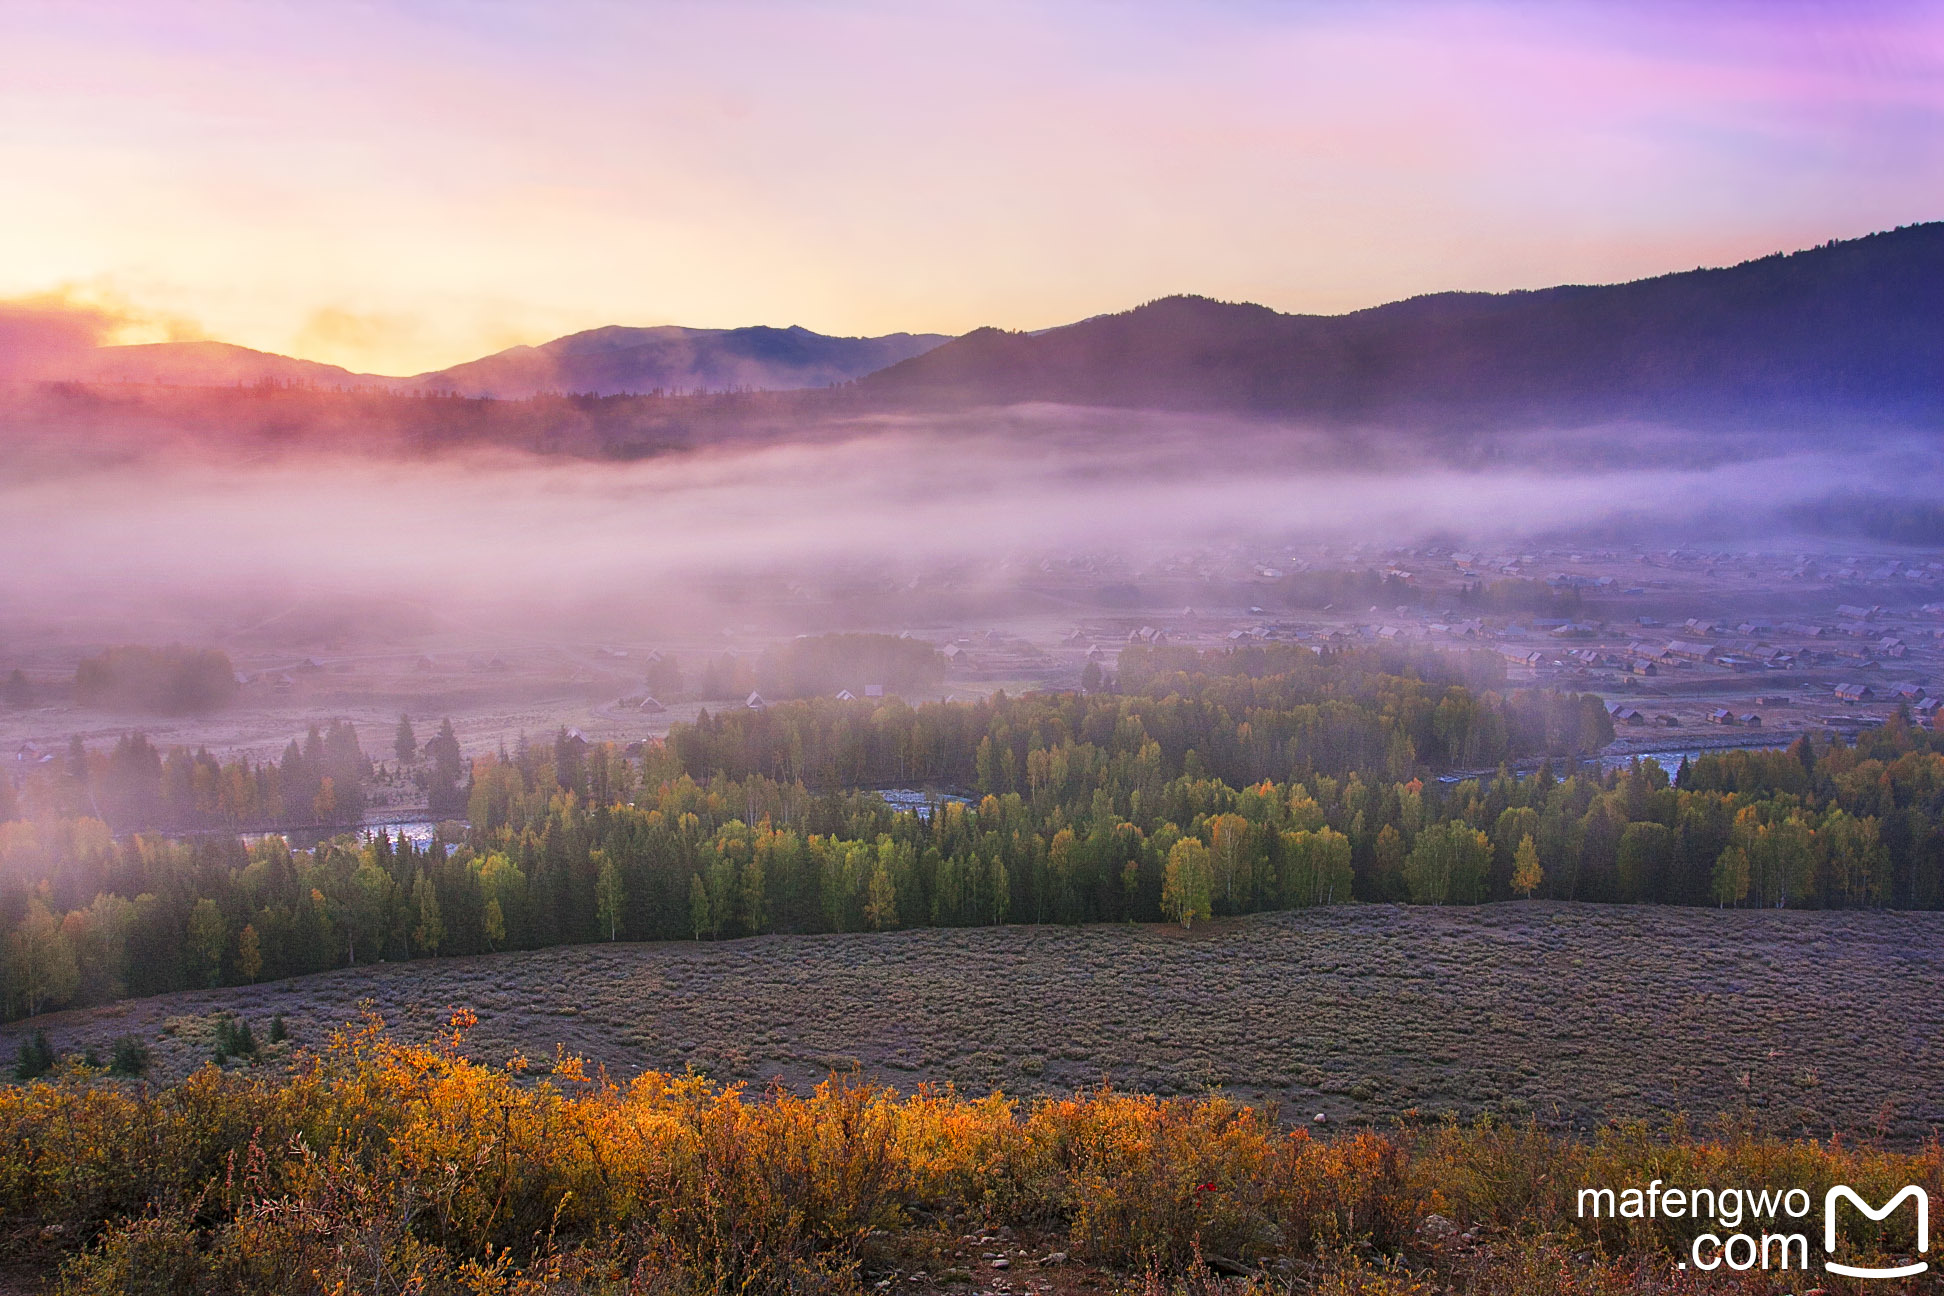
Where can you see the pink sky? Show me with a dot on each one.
(395, 187)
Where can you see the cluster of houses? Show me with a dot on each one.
(1694, 646)
(1916, 696)
(1624, 715)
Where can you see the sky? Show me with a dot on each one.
(396, 187)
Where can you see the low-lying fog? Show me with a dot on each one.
(571, 540)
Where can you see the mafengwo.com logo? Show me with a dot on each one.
(1769, 1229)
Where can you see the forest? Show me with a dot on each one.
(814, 666)
(136, 787)
(1211, 784)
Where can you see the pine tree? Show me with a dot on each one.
(405, 742)
(131, 1057)
(444, 795)
(36, 1057)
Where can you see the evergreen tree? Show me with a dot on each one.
(130, 1057)
(444, 795)
(35, 1058)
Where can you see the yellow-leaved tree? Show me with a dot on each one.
(1527, 876)
(1187, 886)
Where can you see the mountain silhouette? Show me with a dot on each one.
(602, 362)
(1855, 325)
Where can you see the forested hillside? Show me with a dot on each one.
(1214, 783)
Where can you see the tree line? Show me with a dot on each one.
(321, 782)
(169, 681)
(1075, 810)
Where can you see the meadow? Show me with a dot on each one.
(1801, 1023)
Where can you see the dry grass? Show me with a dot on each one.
(1804, 1022)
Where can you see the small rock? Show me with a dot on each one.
(1002, 1263)
(1436, 1227)
(1321, 1118)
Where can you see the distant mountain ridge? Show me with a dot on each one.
(1836, 340)
(617, 361)
(610, 361)
(210, 364)
(1855, 324)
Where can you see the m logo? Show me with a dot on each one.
(1910, 1193)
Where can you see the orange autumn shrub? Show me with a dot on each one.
(379, 1166)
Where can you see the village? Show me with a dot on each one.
(1690, 648)
(1731, 649)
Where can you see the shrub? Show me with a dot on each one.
(35, 1058)
(131, 1057)
(376, 1166)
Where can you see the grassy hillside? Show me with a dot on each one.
(1566, 1014)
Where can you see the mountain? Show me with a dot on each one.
(1847, 326)
(618, 361)
(1833, 341)
(603, 362)
(208, 364)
